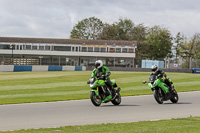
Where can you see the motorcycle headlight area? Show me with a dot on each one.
(92, 80)
(92, 85)
(154, 83)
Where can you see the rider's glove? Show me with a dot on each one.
(108, 74)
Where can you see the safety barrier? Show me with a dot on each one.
(22, 68)
(6, 68)
(55, 68)
(16, 68)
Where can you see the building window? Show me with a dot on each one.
(96, 49)
(103, 49)
(2, 46)
(90, 49)
(112, 50)
(28, 47)
(34, 47)
(124, 50)
(118, 50)
(131, 50)
(47, 47)
(62, 48)
(41, 47)
(84, 49)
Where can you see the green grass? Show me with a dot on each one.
(180, 125)
(25, 87)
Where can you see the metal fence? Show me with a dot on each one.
(167, 63)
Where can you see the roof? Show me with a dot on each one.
(67, 41)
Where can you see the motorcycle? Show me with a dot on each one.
(155, 83)
(100, 93)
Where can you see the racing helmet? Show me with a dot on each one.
(154, 68)
(98, 64)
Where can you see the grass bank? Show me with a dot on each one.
(25, 87)
(181, 125)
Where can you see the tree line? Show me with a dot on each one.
(154, 42)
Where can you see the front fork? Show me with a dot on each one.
(97, 94)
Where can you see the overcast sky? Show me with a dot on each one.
(56, 18)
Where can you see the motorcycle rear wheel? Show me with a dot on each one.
(94, 99)
(117, 100)
(158, 98)
(174, 99)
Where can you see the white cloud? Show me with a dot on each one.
(56, 18)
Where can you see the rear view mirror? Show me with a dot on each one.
(144, 82)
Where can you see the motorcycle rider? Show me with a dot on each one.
(100, 70)
(161, 74)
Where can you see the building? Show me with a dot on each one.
(62, 52)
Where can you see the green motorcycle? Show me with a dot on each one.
(155, 83)
(100, 93)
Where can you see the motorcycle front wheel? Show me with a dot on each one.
(158, 97)
(95, 99)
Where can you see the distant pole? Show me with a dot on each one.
(114, 61)
(11, 46)
(190, 63)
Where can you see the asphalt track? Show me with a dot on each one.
(81, 112)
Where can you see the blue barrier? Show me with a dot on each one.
(55, 68)
(18, 68)
(78, 68)
(22, 68)
(195, 70)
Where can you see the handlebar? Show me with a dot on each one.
(102, 77)
(144, 82)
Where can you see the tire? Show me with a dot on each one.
(117, 100)
(158, 98)
(94, 100)
(174, 99)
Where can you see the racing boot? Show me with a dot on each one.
(168, 95)
(109, 84)
(114, 94)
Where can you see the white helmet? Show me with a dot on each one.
(154, 68)
(98, 64)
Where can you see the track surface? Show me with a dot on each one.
(81, 112)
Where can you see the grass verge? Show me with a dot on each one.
(180, 125)
(27, 87)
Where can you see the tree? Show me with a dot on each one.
(118, 30)
(190, 49)
(124, 28)
(109, 32)
(178, 43)
(139, 33)
(88, 28)
(160, 41)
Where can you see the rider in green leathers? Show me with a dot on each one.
(103, 70)
(161, 74)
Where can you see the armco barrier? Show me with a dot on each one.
(22, 68)
(55, 68)
(195, 70)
